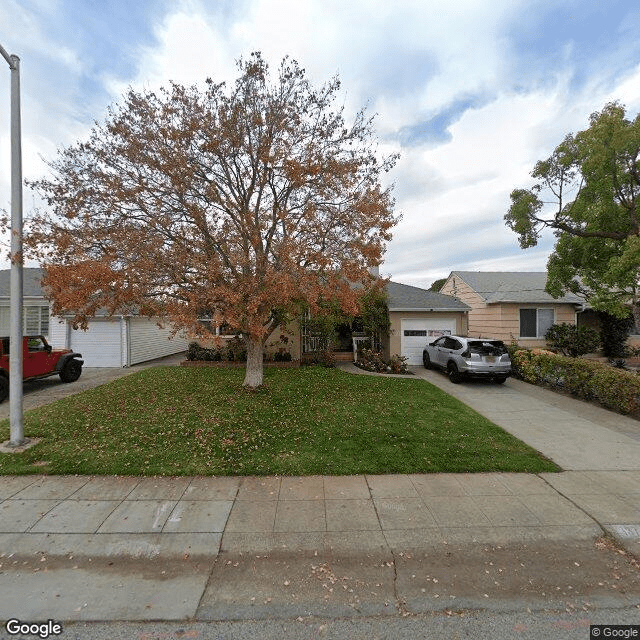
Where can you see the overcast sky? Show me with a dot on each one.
(471, 93)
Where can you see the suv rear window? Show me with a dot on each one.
(487, 347)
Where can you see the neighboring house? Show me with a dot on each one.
(119, 341)
(36, 307)
(511, 305)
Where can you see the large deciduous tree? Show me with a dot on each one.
(242, 203)
(587, 192)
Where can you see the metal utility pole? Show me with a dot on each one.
(15, 341)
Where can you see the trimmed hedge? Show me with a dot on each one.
(586, 379)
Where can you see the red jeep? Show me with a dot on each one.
(40, 360)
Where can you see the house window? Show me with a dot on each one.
(415, 332)
(534, 323)
(35, 320)
(223, 329)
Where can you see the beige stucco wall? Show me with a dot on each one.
(292, 342)
(510, 321)
(396, 318)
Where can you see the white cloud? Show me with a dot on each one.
(409, 59)
(191, 48)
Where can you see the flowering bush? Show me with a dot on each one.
(371, 360)
(586, 379)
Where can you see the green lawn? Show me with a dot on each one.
(186, 421)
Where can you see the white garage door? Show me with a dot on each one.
(417, 332)
(100, 345)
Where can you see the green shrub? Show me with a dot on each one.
(197, 352)
(572, 340)
(586, 379)
(193, 351)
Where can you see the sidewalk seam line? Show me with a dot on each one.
(109, 515)
(400, 606)
(577, 506)
(42, 517)
(209, 580)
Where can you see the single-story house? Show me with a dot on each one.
(417, 316)
(120, 341)
(511, 305)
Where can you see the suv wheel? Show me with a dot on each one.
(4, 388)
(426, 360)
(500, 380)
(71, 371)
(454, 374)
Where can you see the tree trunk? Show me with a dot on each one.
(636, 313)
(253, 376)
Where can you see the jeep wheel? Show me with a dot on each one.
(454, 374)
(500, 380)
(426, 360)
(4, 388)
(71, 371)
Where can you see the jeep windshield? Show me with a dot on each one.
(487, 347)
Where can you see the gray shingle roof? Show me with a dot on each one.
(513, 286)
(402, 297)
(31, 278)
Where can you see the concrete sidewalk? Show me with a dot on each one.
(171, 517)
(96, 548)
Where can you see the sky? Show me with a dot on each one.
(471, 93)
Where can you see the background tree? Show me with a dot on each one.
(241, 203)
(614, 332)
(437, 285)
(587, 193)
(375, 314)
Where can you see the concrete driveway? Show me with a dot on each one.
(48, 390)
(576, 435)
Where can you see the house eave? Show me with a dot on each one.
(573, 303)
(405, 309)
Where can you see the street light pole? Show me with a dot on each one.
(15, 341)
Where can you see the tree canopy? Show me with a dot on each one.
(437, 285)
(587, 193)
(239, 203)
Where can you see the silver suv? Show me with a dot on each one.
(468, 357)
